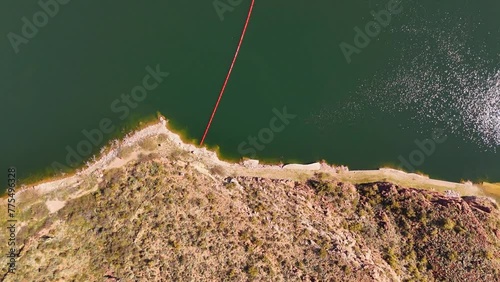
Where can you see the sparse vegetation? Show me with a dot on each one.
(125, 152)
(218, 170)
(447, 224)
(158, 218)
(149, 144)
(178, 154)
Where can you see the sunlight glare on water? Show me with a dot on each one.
(439, 70)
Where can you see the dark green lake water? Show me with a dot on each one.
(433, 58)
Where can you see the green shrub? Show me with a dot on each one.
(488, 254)
(447, 224)
(154, 168)
(232, 274)
(423, 218)
(252, 272)
(323, 252)
(356, 227)
(410, 212)
(391, 257)
(459, 229)
(452, 256)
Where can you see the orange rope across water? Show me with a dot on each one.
(228, 74)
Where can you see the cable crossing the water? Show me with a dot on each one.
(228, 74)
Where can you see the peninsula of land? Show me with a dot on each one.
(153, 207)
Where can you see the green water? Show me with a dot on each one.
(433, 57)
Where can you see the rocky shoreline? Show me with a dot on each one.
(247, 167)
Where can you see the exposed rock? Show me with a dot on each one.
(313, 166)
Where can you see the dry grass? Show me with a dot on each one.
(29, 196)
(492, 190)
(218, 170)
(159, 218)
(149, 144)
(125, 152)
